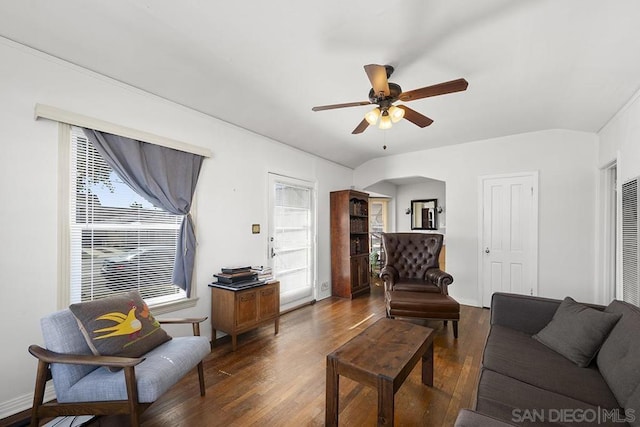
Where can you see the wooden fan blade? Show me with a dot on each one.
(361, 127)
(414, 117)
(439, 89)
(378, 77)
(348, 104)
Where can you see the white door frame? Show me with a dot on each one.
(609, 203)
(273, 177)
(618, 286)
(533, 230)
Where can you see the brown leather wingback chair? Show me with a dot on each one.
(412, 263)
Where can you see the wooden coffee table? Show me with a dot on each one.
(382, 356)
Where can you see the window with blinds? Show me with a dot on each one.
(630, 285)
(119, 241)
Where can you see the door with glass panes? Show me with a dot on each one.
(378, 212)
(292, 238)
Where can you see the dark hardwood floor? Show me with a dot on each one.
(280, 380)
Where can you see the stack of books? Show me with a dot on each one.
(264, 273)
(237, 277)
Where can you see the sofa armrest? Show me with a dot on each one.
(469, 418)
(49, 356)
(440, 278)
(195, 322)
(389, 275)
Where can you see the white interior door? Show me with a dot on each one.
(509, 235)
(292, 238)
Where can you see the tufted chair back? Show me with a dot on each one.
(411, 254)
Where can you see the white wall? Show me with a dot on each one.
(621, 136)
(620, 143)
(429, 189)
(231, 194)
(566, 161)
(382, 188)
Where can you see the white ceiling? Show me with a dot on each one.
(530, 64)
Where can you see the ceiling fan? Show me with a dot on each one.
(384, 94)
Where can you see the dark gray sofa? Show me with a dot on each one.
(523, 382)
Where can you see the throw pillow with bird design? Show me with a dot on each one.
(119, 325)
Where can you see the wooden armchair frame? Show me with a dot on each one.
(130, 406)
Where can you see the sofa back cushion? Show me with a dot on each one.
(577, 331)
(412, 253)
(619, 357)
(62, 335)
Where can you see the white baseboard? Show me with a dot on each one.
(21, 403)
(466, 301)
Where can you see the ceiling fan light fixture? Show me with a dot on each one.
(396, 113)
(385, 121)
(372, 116)
(384, 93)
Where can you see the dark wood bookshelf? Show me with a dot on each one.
(349, 243)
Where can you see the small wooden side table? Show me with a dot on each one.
(235, 311)
(382, 356)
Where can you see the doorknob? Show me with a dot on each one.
(273, 253)
(486, 251)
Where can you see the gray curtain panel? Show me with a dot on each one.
(165, 177)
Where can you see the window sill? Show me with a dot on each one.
(170, 306)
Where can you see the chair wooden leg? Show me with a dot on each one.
(42, 376)
(201, 378)
(132, 394)
(455, 329)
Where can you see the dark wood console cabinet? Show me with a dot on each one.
(349, 243)
(238, 311)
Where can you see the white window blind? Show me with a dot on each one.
(119, 241)
(630, 284)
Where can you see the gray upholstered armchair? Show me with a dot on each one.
(412, 263)
(84, 385)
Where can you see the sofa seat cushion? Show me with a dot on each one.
(619, 357)
(163, 366)
(518, 355)
(415, 285)
(468, 418)
(524, 404)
